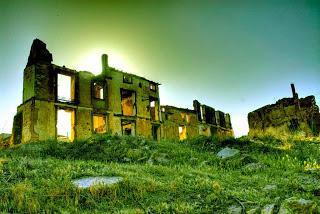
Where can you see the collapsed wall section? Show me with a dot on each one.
(178, 123)
(181, 124)
(286, 116)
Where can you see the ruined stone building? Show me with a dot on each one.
(203, 120)
(61, 103)
(287, 115)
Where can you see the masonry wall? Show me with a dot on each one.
(286, 116)
(38, 121)
(173, 118)
(141, 88)
(83, 123)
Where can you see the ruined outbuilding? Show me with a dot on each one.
(202, 120)
(65, 104)
(287, 116)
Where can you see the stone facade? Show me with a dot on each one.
(180, 123)
(56, 98)
(287, 116)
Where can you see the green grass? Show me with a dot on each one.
(159, 177)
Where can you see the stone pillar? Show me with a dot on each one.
(104, 59)
(294, 94)
(196, 107)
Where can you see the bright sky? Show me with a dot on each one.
(235, 57)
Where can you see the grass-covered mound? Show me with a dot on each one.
(159, 177)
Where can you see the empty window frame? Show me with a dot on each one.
(153, 87)
(127, 127)
(99, 124)
(154, 111)
(98, 91)
(65, 124)
(182, 132)
(66, 88)
(127, 78)
(128, 102)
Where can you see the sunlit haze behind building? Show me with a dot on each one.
(235, 57)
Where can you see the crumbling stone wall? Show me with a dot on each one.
(286, 116)
(202, 120)
(173, 118)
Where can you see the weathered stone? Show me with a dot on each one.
(286, 116)
(227, 153)
(316, 192)
(162, 158)
(234, 209)
(254, 211)
(39, 53)
(253, 167)
(270, 187)
(268, 209)
(92, 181)
(295, 205)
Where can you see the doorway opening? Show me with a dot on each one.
(182, 132)
(155, 129)
(99, 124)
(65, 124)
(127, 127)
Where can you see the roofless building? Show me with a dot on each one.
(62, 103)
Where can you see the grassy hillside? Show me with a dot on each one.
(159, 177)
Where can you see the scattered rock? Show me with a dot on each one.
(162, 158)
(92, 181)
(268, 209)
(253, 167)
(270, 187)
(227, 153)
(126, 159)
(254, 211)
(295, 205)
(316, 192)
(234, 209)
(150, 161)
(246, 159)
